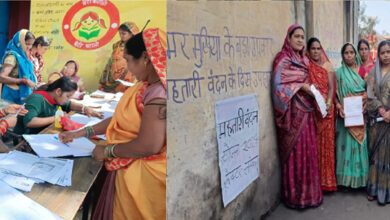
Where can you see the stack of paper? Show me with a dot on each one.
(48, 145)
(33, 168)
(319, 100)
(353, 110)
(15, 205)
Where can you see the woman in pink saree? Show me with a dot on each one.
(293, 105)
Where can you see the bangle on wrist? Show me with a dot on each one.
(112, 151)
(83, 109)
(329, 101)
(107, 151)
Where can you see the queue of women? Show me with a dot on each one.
(135, 150)
(321, 154)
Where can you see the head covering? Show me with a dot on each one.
(132, 27)
(378, 78)
(156, 45)
(288, 51)
(74, 77)
(289, 74)
(349, 81)
(17, 47)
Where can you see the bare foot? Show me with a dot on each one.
(370, 198)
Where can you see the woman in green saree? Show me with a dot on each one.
(351, 142)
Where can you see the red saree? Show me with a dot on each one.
(295, 128)
(325, 127)
(364, 71)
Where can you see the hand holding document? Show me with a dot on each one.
(353, 110)
(319, 100)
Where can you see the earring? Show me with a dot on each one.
(145, 63)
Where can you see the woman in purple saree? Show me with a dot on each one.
(293, 105)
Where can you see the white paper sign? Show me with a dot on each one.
(238, 144)
(353, 110)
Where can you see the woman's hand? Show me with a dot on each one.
(68, 136)
(30, 84)
(386, 117)
(340, 109)
(12, 109)
(98, 153)
(92, 113)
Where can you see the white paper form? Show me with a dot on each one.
(353, 110)
(16, 180)
(48, 145)
(125, 83)
(319, 100)
(15, 205)
(29, 165)
(83, 119)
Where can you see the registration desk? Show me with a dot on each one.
(66, 201)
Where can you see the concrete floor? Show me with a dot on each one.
(346, 205)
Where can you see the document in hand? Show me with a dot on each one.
(353, 110)
(15, 205)
(319, 100)
(48, 145)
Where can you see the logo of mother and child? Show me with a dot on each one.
(90, 25)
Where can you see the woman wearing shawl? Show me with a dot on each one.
(135, 153)
(17, 73)
(116, 67)
(40, 46)
(367, 62)
(293, 106)
(378, 105)
(70, 70)
(322, 76)
(351, 143)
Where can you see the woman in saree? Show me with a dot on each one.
(378, 105)
(116, 67)
(367, 62)
(17, 73)
(40, 46)
(351, 142)
(322, 75)
(135, 154)
(293, 107)
(70, 69)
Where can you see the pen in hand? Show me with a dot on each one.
(20, 109)
(55, 137)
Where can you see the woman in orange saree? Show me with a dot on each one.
(116, 67)
(322, 75)
(135, 154)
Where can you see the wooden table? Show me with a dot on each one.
(66, 201)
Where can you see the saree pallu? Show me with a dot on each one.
(301, 180)
(325, 131)
(379, 178)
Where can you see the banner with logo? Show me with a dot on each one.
(85, 31)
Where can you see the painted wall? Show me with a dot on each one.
(196, 80)
(223, 28)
